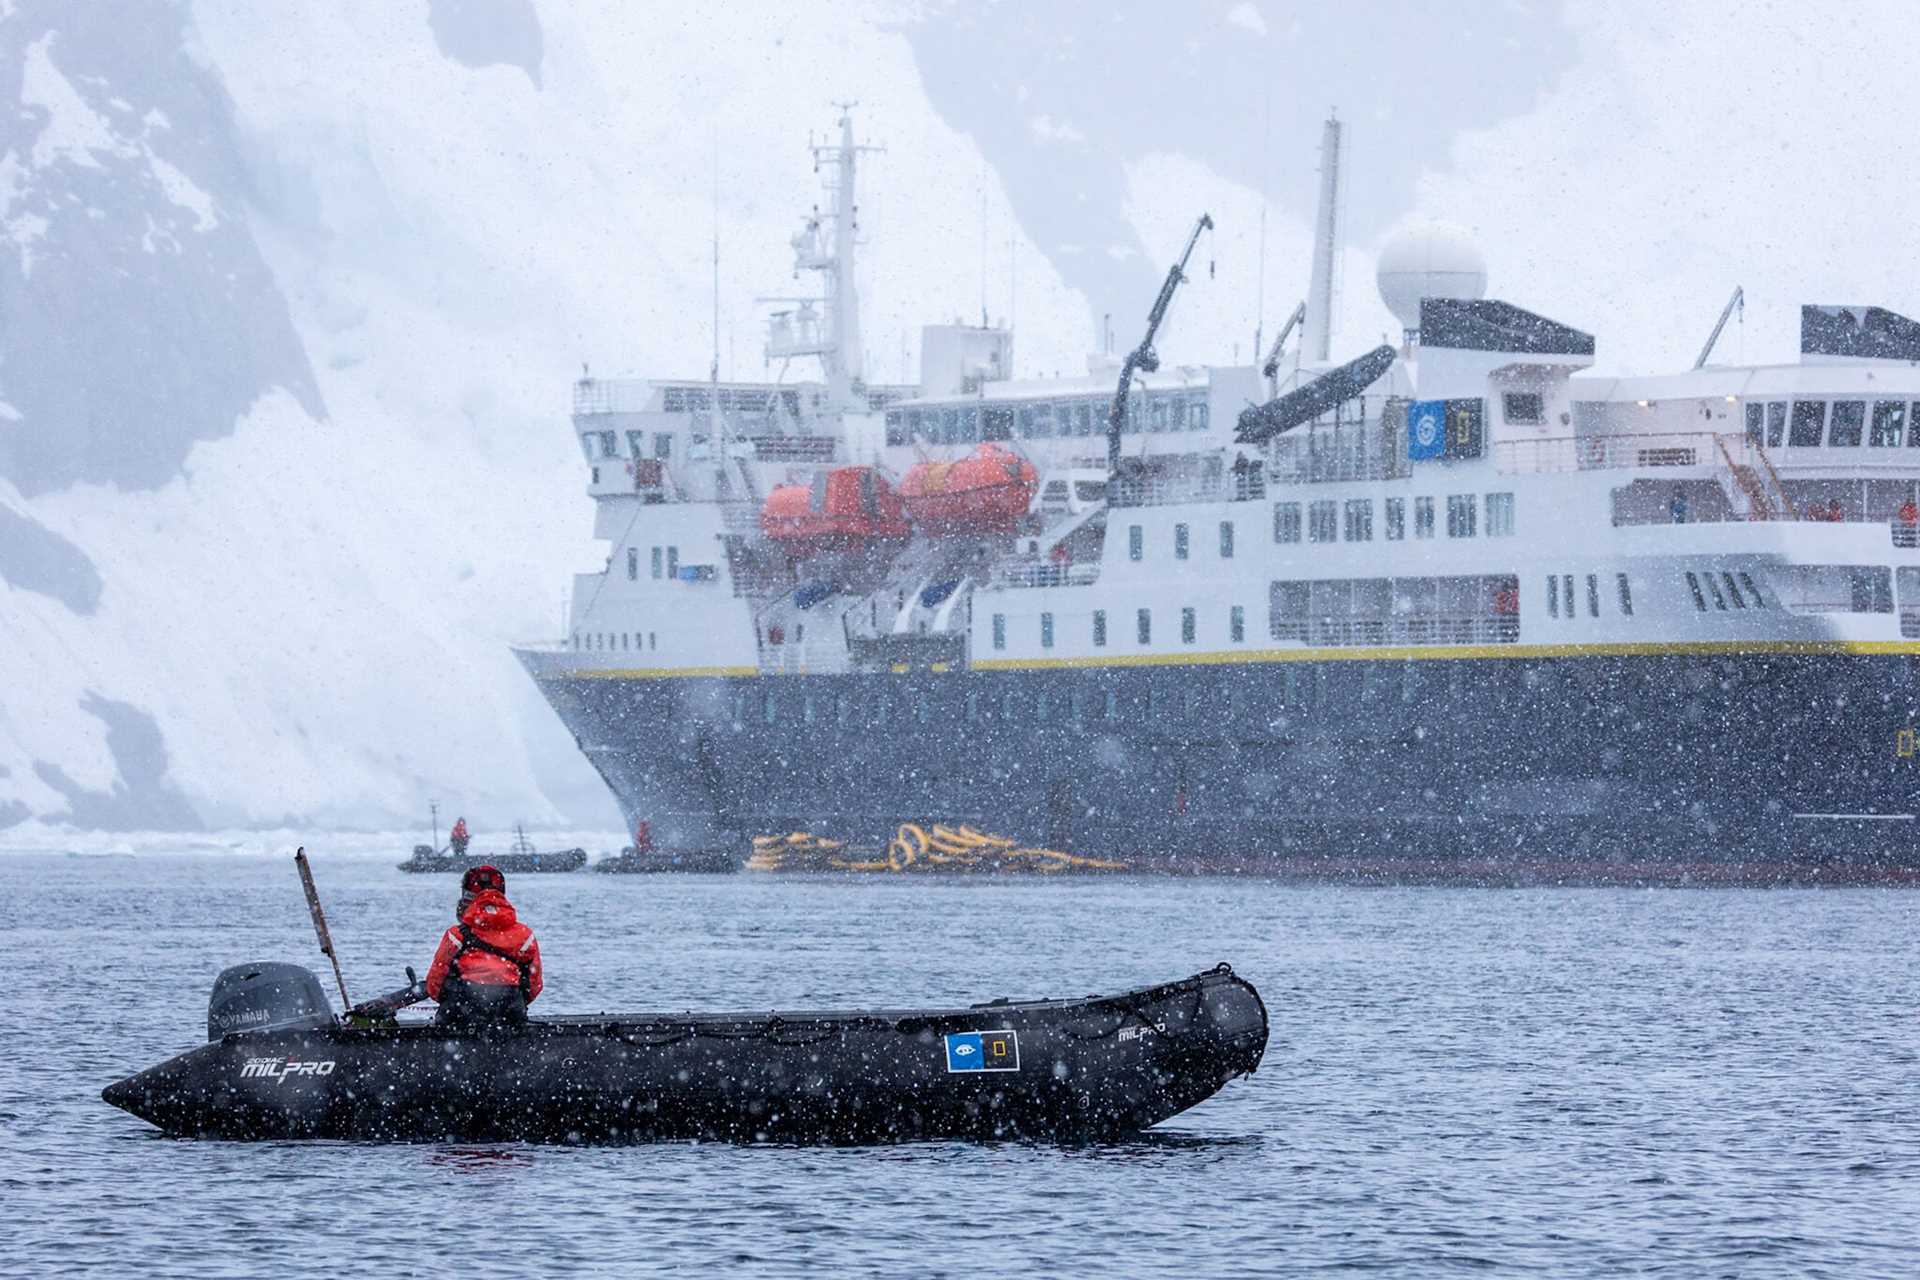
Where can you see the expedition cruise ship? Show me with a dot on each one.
(1449, 605)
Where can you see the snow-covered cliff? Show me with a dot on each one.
(289, 302)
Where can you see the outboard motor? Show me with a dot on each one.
(267, 996)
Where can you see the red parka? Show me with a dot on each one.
(488, 946)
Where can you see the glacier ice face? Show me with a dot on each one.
(138, 319)
(488, 33)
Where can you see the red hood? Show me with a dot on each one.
(491, 916)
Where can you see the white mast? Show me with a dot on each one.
(1316, 335)
(831, 253)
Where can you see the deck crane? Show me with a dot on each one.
(1144, 358)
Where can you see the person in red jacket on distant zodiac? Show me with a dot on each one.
(487, 970)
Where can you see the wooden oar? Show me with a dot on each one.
(320, 921)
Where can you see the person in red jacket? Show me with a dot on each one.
(487, 969)
(457, 838)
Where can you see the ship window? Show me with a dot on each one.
(1099, 628)
(633, 564)
(1626, 594)
(1733, 591)
(651, 641)
(609, 445)
(1553, 596)
(1237, 624)
(1179, 542)
(1776, 423)
(1461, 515)
(1713, 589)
(1756, 422)
(1566, 590)
(1423, 517)
(1359, 520)
(1197, 416)
(1226, 539)
(656, 562)
(1157, 408)
(896, 428)
(1809, 418)
(1187, 626)
(1393, 611)
(999, 630)
(770, 710)
(1046, 631)
(1753, 592)
(1593, 595)
(996, 424)
(1499, 515)
(1834, 588)
(1110, 705)
(1136, 542)
(662, 445)
(1180, 414)
(1693, 585)
(1396, 513)
(1286, 522)
(1848, 418)
(1143, 621)
(576, 639)
(1322, 520)
(1889, 423)
(1913, 426)
(673, 562)
(969, 425)
(1524, 407)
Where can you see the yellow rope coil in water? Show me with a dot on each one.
(957, 847)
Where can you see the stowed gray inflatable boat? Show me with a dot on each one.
(279, 1064)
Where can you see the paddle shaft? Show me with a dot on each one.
(320, 921)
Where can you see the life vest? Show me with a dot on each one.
(471, 941)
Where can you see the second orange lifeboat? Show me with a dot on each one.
(985, 492)
(845, 509)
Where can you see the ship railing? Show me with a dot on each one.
(1364, 632)
(1627, 451)
(1905, 536)
(611, 395)
(1160, 491)
(1324, 456)
(1045, 573)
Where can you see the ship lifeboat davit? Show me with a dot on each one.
(985, 492)
(845, 509)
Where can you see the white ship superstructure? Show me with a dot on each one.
(1455, 598)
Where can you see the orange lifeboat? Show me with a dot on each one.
(984, 492)
(845, 509)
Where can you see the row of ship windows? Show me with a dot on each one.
(1142, 627)
(1740, 589)
(1809, 424)
(1250, 694)
(602, 445)
(1560, 588)
(665, 562)
(1328, 520)
(964, 424)
(620, 641)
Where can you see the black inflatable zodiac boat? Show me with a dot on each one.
(279, 1064)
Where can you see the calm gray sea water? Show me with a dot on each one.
(1547, 1082)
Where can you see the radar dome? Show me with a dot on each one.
(1429, 260)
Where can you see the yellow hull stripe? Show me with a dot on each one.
(1413, 653)
(1367, 653)
(653, 673)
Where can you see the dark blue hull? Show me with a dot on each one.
(1768, 766)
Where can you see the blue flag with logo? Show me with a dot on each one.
(1426, 429)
